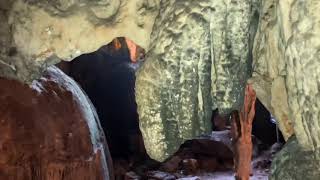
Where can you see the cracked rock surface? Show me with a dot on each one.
(287, 80)
(198, 60)
(286, 72)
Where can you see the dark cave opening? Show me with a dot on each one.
(264, 125)
(108, 78)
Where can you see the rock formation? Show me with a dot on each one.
(50, 130)
(242, 135)
(286, 78)
(37, 33)
(293, 163)
(198, 61)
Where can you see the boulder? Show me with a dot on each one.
(293, 163)
(50, 130)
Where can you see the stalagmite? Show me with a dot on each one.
(241, 131)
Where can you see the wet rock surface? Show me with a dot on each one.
(50, 130)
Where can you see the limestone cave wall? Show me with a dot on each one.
(286, 72)
(199, 60)
(286, 79)
(37, 33)
(200, 57)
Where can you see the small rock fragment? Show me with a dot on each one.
(172, 164)
(159, 175)
(191, 166)
(132, 176)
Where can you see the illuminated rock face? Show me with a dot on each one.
(198, 60)
(37, 33)
(50, 130)
(287, 80)
(286, 65)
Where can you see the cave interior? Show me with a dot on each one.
(159, 90)
(107, 76)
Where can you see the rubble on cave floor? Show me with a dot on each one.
(205, 158)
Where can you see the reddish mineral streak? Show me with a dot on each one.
(132, 49)
(241, 134)
(119, 44)
(48, 133)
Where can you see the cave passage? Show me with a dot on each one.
(264, 126)
(108, 78)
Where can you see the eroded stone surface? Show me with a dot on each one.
(50, 130)
(287, 78)
(37, 33)
(199, 60)
(286, 57)
(270, 66)
(293, 163)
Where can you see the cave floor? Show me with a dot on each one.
(197, 160)
(257, 175)
(260, 164)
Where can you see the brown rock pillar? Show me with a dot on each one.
(241, 135)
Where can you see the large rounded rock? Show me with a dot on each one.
(292, 163)
(50, 130)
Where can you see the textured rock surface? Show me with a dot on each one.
(35, 34)
(199, 60)
(50, 131)
(287, 79)
(287, 67)
(269, 74)
(293, 163)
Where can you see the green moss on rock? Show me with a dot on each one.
(198, 61)
(293, 163)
